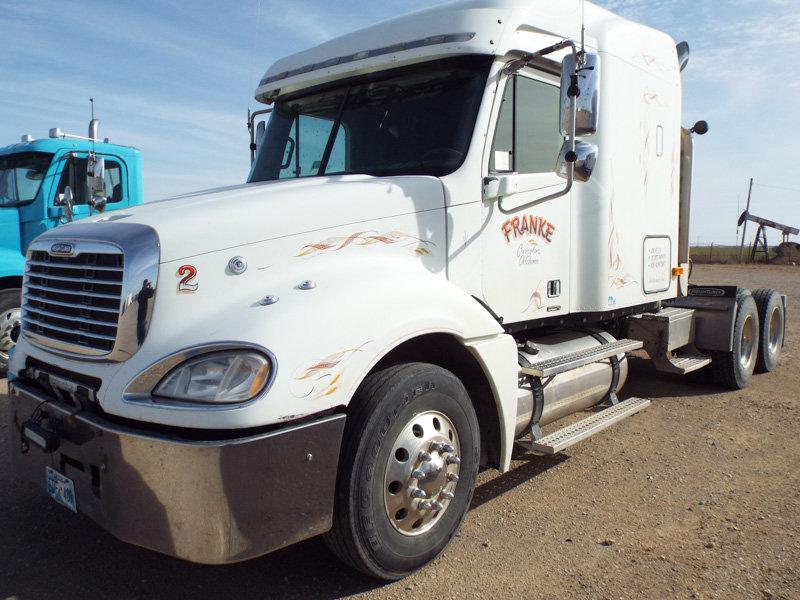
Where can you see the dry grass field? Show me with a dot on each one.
(696, 497)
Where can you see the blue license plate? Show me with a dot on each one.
(61, 489)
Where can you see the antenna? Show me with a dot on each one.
(583, 26)
(92, 125)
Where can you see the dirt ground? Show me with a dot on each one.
(696, 497)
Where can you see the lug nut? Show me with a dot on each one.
(436, 446)
(418, 493)
(447, 494)
(447, 447)
(438, 506)
(424, 456)
(417, 474)
(452, 477)
(426, 505)
(453, 460)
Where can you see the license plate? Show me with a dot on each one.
(61, 489)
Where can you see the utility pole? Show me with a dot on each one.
(744, 225)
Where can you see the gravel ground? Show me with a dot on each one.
(696, 497)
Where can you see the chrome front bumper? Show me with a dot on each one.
(212, 502)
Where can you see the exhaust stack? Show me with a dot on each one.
(683, 54)
(93, 128)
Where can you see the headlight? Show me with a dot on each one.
(222, 377)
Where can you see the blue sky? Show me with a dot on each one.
(175, 79)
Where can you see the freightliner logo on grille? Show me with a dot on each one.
(62, 249)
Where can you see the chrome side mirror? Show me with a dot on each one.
(583, 77)
(261, 129)
(256, 131)
(583, 159)
(66, 201)
(96, 175)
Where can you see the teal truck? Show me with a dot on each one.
(47, 182)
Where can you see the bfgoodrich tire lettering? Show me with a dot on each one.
(362, 534)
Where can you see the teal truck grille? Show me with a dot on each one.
(73, 302)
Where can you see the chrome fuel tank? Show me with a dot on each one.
(568, 392)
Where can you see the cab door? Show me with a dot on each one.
(526, 246)
(73, 174)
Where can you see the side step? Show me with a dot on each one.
(564, 438)
(573, 360)
(683, 364)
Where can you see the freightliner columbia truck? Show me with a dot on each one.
(34, 177)
(456, 226)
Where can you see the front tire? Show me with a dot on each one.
(407, 473)
(735, 369)
(772, 319)
(10, 315)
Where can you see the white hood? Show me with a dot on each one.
(230, 217)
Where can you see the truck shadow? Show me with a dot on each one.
(644, 381)
(51, 553)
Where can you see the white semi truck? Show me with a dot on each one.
(456, 226)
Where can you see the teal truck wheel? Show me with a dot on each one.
(10, 313)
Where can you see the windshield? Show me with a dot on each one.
(21, 176)
(412, 121)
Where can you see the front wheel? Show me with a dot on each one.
(408, 468)
(10, 315)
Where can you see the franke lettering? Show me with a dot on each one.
(528, 225)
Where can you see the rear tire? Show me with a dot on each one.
(10, 302)
(734, 369)
(410, 418)
(772, 320)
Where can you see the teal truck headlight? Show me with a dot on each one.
(221, 377)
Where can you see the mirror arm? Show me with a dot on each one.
(573, 107)
(519, 63)
(251, 120)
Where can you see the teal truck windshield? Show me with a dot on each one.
(21, 176)
(412, 121)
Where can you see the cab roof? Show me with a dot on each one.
(53, 145)
(489, 27)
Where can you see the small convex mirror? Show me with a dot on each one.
(587, 71)
(585, 158)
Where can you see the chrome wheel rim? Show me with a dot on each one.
(422, 473)
(747, 346)
(8, 320)
(775, 330)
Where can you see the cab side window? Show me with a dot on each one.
(113, 181)
(74, 175)
(527, 137)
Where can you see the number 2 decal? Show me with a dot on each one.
(186, 284)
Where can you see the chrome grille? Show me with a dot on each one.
(74, 300)
(89, 289)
